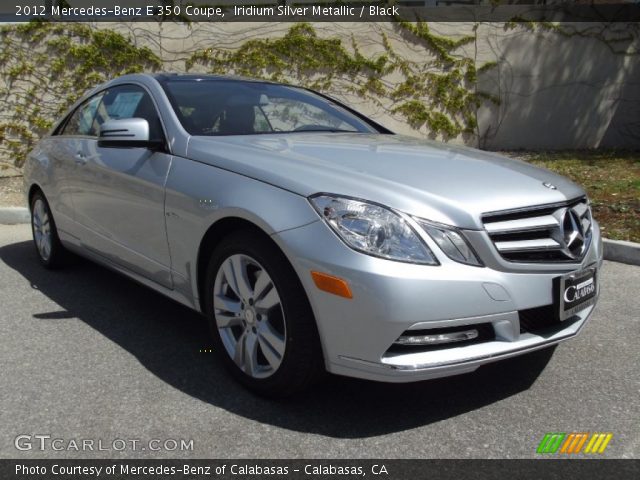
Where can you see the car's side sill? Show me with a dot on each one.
(174, 295)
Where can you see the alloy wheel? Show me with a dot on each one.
(42, 229)
(249, 316)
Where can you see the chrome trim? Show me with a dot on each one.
(524, 245)
(522, 224)
(581, 209)
(437, 338)
(480, 360)
(507, 354)
(546, 233)
(534, 208)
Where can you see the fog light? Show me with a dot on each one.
(437, 338)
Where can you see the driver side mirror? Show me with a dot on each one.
(126, 133)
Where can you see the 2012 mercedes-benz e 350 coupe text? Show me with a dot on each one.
(310, 236)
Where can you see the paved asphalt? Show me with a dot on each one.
(88, 354)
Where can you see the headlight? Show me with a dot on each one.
(451, 242)
(372, 229)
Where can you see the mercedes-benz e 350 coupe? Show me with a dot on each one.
(311, 237)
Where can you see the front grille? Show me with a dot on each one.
(547, 233)
(536, 319)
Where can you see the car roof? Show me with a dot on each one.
(186, 77)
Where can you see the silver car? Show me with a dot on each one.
(311, 237)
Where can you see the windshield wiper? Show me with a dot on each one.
(330, 130)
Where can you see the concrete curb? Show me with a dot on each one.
(615, 250)
(14, 215)
(623, 252)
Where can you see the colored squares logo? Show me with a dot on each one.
(573, 443)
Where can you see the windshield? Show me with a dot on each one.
(233, 107)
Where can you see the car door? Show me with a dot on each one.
(119, 196)
(64, 149)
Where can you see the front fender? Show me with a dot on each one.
(199, 195)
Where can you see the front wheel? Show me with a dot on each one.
(262, 325)
(50, 251)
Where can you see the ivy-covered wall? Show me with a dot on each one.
(46, 67)
(458, 82)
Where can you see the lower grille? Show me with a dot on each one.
(537, 319)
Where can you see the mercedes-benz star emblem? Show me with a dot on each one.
(572, 233)
(549, 185)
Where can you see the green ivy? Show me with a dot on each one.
(47, 66)
(444, 102)
(313, 60)
(443, 47)
(51, 66)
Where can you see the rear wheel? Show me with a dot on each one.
(50, 251)
(261, 321)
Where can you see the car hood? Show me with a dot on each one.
(440, 182)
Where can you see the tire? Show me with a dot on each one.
(50, 251)
(263, 328)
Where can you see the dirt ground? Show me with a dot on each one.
(11, 192)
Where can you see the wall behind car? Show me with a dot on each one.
(514, 85)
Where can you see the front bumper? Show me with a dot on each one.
(390, 298)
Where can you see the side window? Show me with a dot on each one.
(262, 122)
(81, 121)
(129, 101)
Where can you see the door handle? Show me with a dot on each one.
(80, 158)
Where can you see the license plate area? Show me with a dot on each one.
(574, 292)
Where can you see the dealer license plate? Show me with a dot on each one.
(576, 291)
